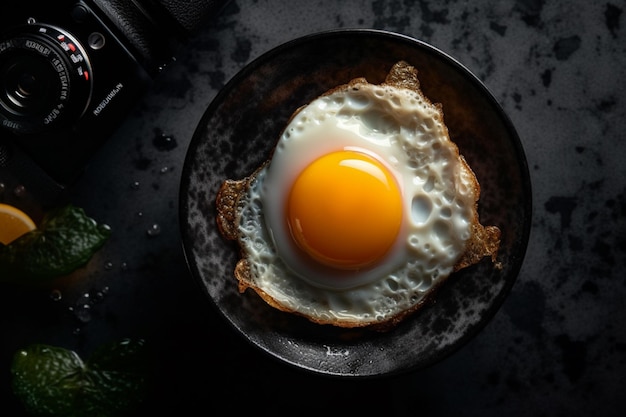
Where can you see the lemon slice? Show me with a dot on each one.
(13, 223)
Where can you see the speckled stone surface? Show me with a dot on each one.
(558, 344)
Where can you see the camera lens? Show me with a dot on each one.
(29, 86)
(46, 79)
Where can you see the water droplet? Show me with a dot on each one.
(164, 142)
(154, 230)
(19, 191)
(140, 214)
(124, 266)
(108, 265)
(135, 185)
(164, 170)
(83, 313)
(77, 331)
(56, 295)
(98, 296)
(2, 187)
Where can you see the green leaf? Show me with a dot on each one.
(55, 382)
(66, 239)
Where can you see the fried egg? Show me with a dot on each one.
(364, 208)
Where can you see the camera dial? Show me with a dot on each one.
(46, 79)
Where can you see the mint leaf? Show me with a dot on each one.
(53, 381)
(41, 373)
(66, 239)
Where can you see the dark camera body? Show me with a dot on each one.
(71, 70)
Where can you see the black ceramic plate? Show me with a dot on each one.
(238, 132)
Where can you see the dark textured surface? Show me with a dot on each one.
(556, 347)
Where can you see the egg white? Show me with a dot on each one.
(407, 134)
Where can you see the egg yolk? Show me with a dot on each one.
(345, 210)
